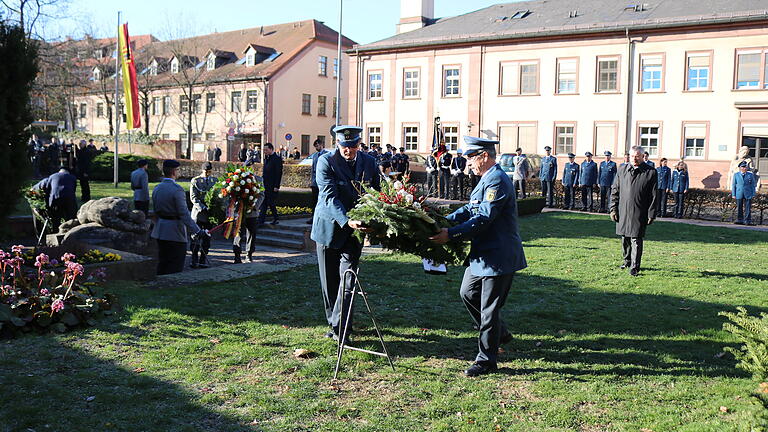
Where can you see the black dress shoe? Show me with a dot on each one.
(624, 266)
(634, 272)
(478, 369)
(330, 334)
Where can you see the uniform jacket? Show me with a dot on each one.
(315, 156)
(548, 170)
(664, 175)
(490, 222)
(571, 174)
(338, 194)
(198, 187)
(634, 198)
(431, 164)
(173, 218)
(588, 173)
(140, 184)
(272, 172)
(59, 187)
(458, 165)
(522, 167)
(679, 182)
(743, 185)
(650, 163)
(606, 173)
(84, 157)
(445, 162)
(242, 155)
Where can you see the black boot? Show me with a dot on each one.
(237, 250)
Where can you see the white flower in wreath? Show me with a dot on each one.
(409, 199)
(398, 185)
(229, 188)
(251, 197)
(248, 180)
(221, 195)
(238, 171)
(402, 192)
(417, 205)
(235, 177)
(242, 182)
(237, 189)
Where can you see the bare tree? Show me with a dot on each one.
(29, 13)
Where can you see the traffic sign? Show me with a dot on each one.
(288, 137)
(231, 132)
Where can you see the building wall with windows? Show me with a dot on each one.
(691, 93)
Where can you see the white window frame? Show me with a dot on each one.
(451, 136)
(645, 139)
(451, 81)
(412, 92)
(567, 82)
(375, 85)
(411, 137)
(565, 135)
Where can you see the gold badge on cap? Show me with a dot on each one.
(490, 194)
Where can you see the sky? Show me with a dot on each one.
(364, 20)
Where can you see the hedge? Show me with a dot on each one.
(295, 198)
(525, 206)
(102, 167)
(293, 175)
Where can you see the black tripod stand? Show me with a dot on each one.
(357, 289)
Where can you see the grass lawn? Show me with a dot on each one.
(594, 349)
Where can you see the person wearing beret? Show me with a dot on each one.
(198, 188)
(587, 181)
(664, 175)
(140, 186)
(338, 176)
(548, 175)
(743, 190)
(173, 221)
(458, 165)
(605, 174)
(489, 221)
(679, 187)
(570, 180)
(633, 207)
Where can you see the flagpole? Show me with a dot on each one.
(117, 97)
(338, 72)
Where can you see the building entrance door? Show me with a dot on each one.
(756, 139)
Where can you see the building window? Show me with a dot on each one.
(567, 71)
(411, 138)
(97, 74)
(174, 66)
(166, 104)
(183, 104)
(649, 138)
(153, 68)
(306, 104)
(695, 135)
(83, 110)
(334, 107)
(250, 59)
(251, 100)
(321, 105)
(607, 75)
(196, 103)
(322, 66)
(565, 138)
(411, 83)
(698, 71)
(99, 109)
(155, 106)
(211, 63)
(519, 78)
(748, 65)
(165, 136)
(451, 81)
(335, 67)
(210, 102)
(516, 135)
(451, 134)
(236, 99)
(210, 136)
(374, 85)
(374, 135)
(182, 137)
(197, 137)
(652, 73)
(605, 137)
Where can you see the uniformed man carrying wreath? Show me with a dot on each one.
(338, 173)
(490, 222)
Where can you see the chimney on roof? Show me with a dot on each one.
(415, 14)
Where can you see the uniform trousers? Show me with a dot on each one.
(457, 184)
(249, 226)
(200, 247)
(85, 188)
(744, 210)
(586, 197)
(661, 203)
(605, 193)
(548, 192)
(431, 183)
(333, 263)
(270, 202)
(570, 197)
(315, 195)
(142, 206)
(445, 182)
(679, 204)
(520, 188)
(632, 248)
(484, 296)
(170, 256)
(62, 210)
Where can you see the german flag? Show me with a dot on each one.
(130, 85)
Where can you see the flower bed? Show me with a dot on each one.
(46, 298)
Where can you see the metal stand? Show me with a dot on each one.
(343, 292)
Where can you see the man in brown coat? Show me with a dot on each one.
(633, 204)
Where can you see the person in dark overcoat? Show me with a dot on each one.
(633, 207)
(273, 175)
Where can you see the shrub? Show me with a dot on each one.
(294, 198)
(752, 333)
(102, 167)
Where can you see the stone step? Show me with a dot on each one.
(280, 242)
(280, 233)
(292, 225)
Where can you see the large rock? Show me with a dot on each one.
(113, 212)
(94, 234)
(108, 222)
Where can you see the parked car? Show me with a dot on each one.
(534, 160)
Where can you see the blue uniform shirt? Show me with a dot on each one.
(315, 156)
(743, 186)
(664, 175)
(490, 222)
(588, 174)
(650, 163)
(679, 181)
(548, 170)
(571, 174)
(606, 173)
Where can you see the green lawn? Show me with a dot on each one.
(594, 349)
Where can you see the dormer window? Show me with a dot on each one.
(97, 74)
(153, 68)
(175, 65)
(250, 59)
(211, 63)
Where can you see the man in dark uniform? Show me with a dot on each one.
(548, 175)
(198, 188)
(60, 189)
(587, 181)
(173, 221)
(647, 161)
(606, 174)
(140, 187)
(570, 180)
(431, 168)
(319, 151)
(83, 158)
(458, 165)
(490, 222)
(405, 163)
(444, 163)
(633, 206)
(338, 250)
(664, 183)
(272, 175)
(242, 155)
(217, 153)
